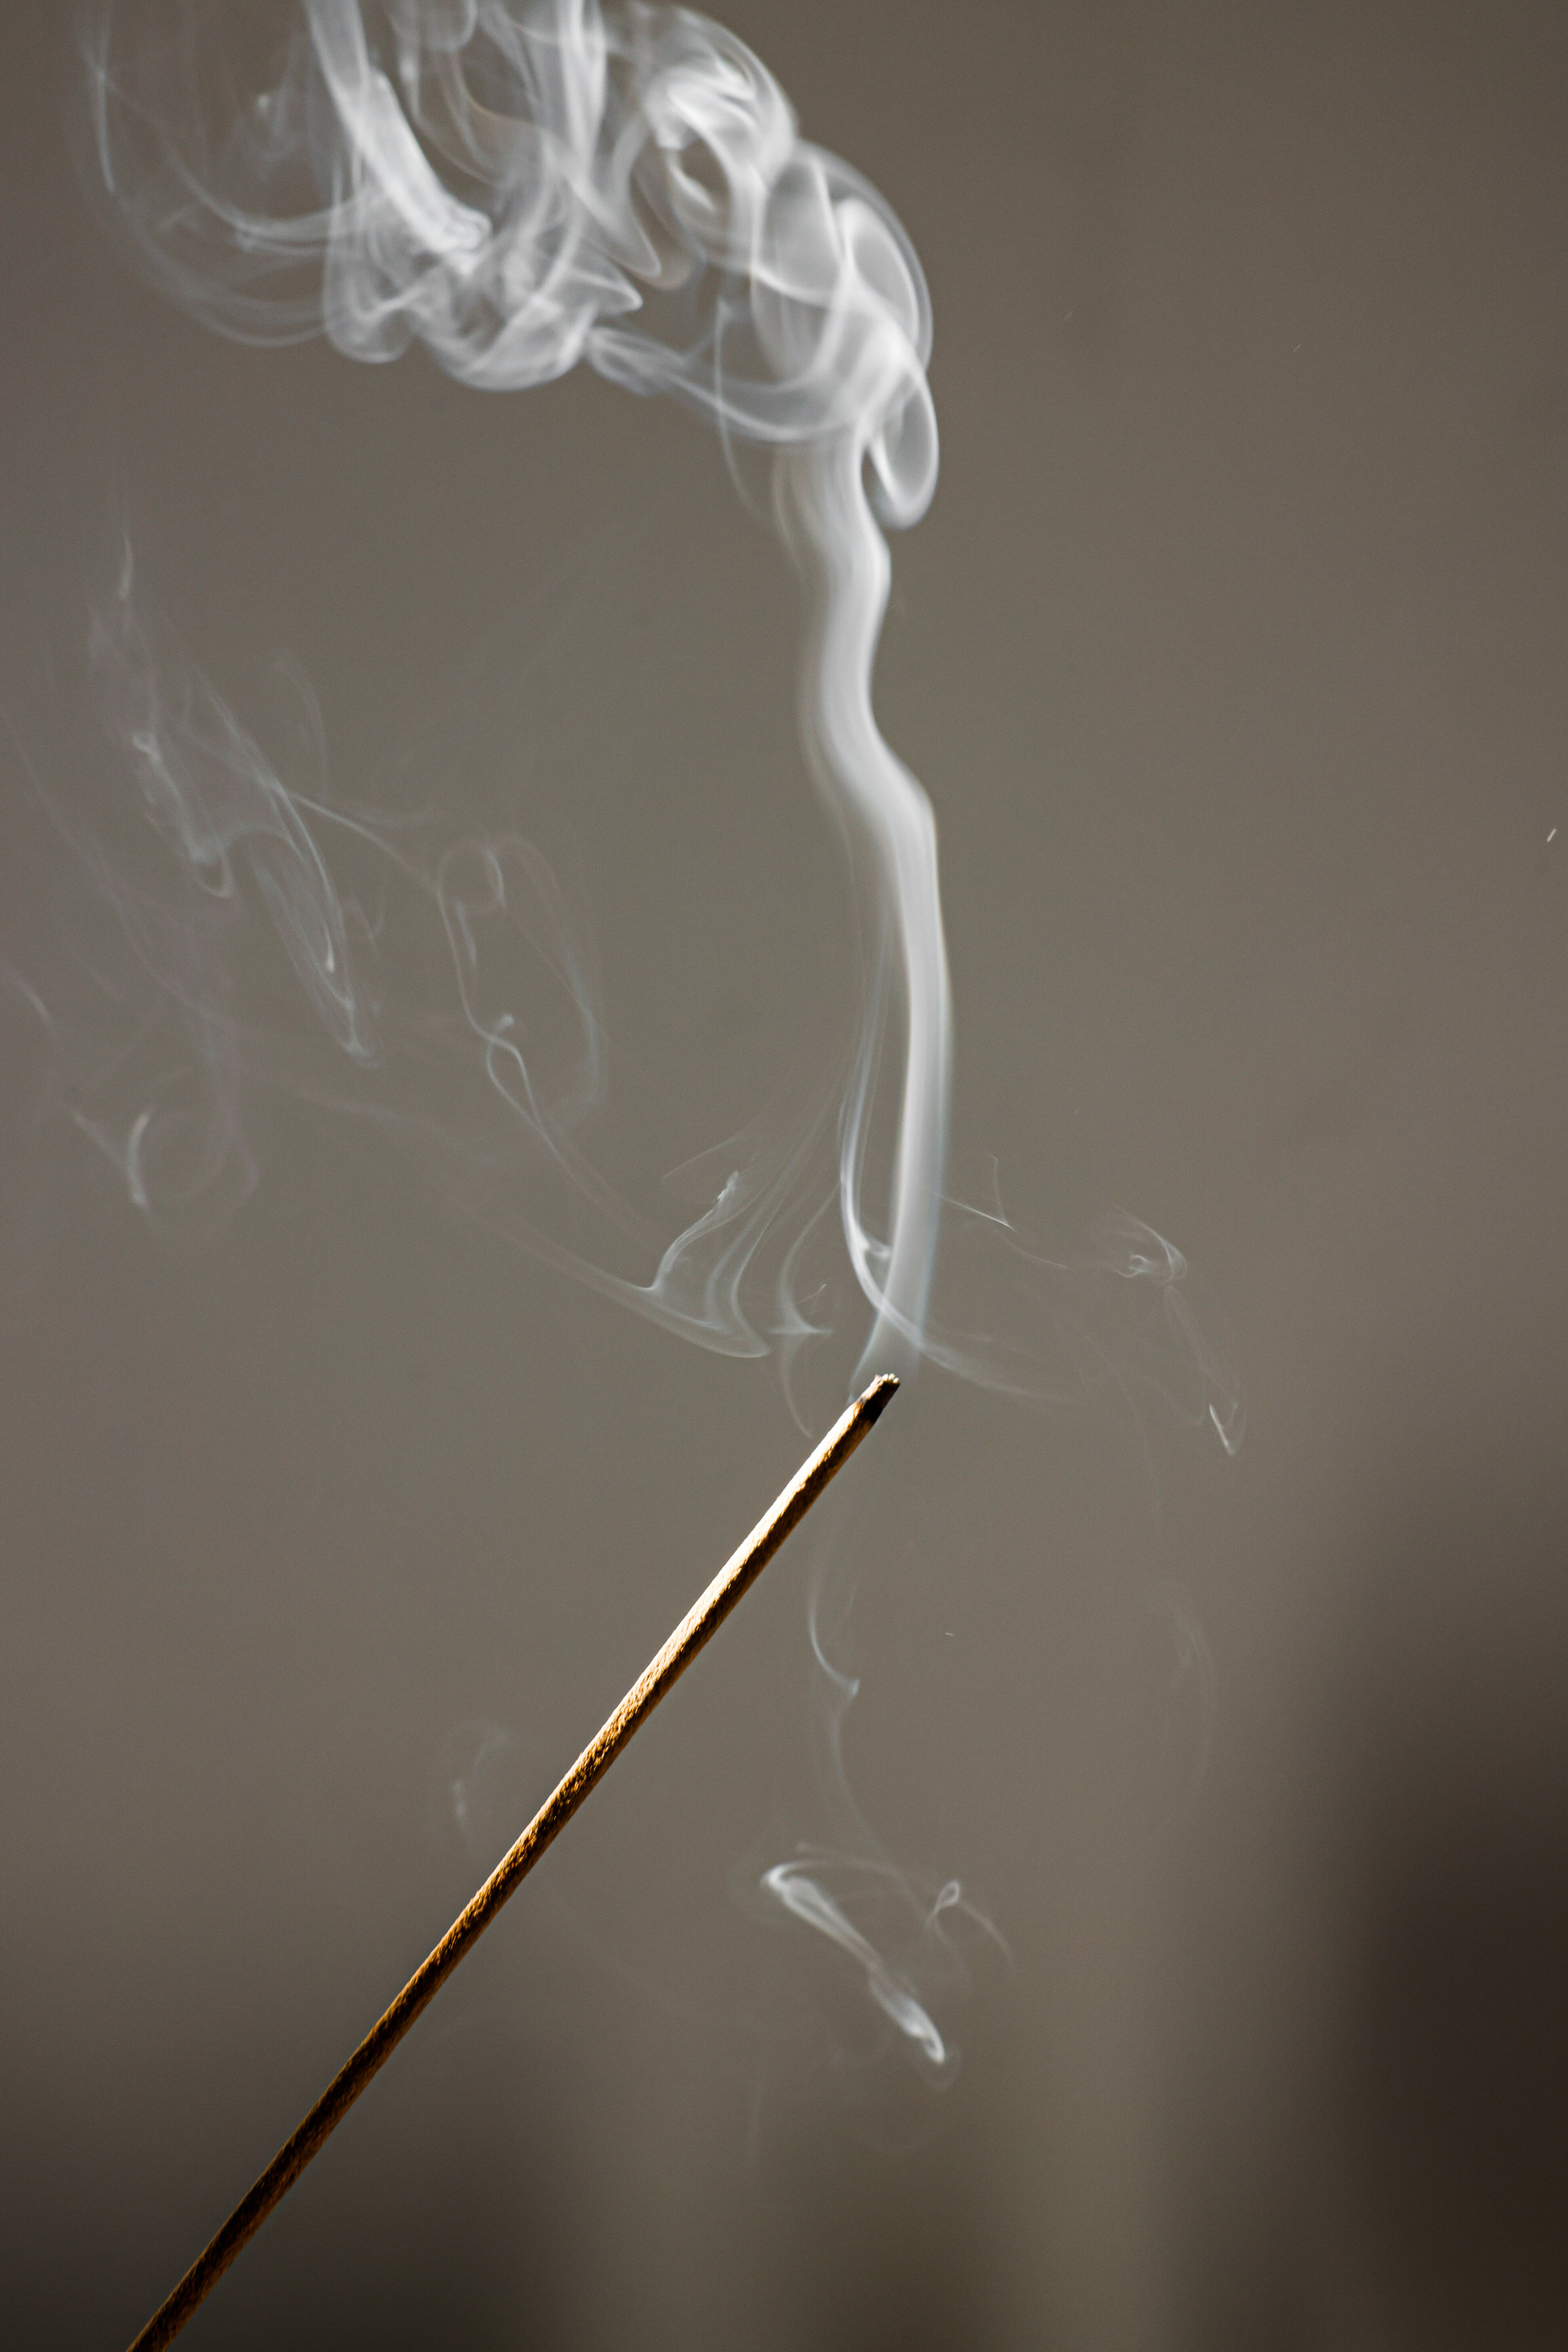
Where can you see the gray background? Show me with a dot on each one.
(1231, 655)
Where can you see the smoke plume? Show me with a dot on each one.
(521, 189)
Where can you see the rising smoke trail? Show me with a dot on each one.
(523, 186)
(604, 180)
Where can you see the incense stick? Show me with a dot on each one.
(695, 1628)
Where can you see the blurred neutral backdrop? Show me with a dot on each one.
(1231, 655)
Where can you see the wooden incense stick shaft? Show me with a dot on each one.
(700, 1623)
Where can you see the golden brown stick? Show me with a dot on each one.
(696, 1627)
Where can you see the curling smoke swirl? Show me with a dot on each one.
(522, 189)
(522, 186)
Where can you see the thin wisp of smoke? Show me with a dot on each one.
(519, 189)
(817, 1889)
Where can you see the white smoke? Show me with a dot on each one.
(521, 188)
(806, 1889)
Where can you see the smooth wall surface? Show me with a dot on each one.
(1231, 655)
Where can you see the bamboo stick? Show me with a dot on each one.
(695, 1628)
